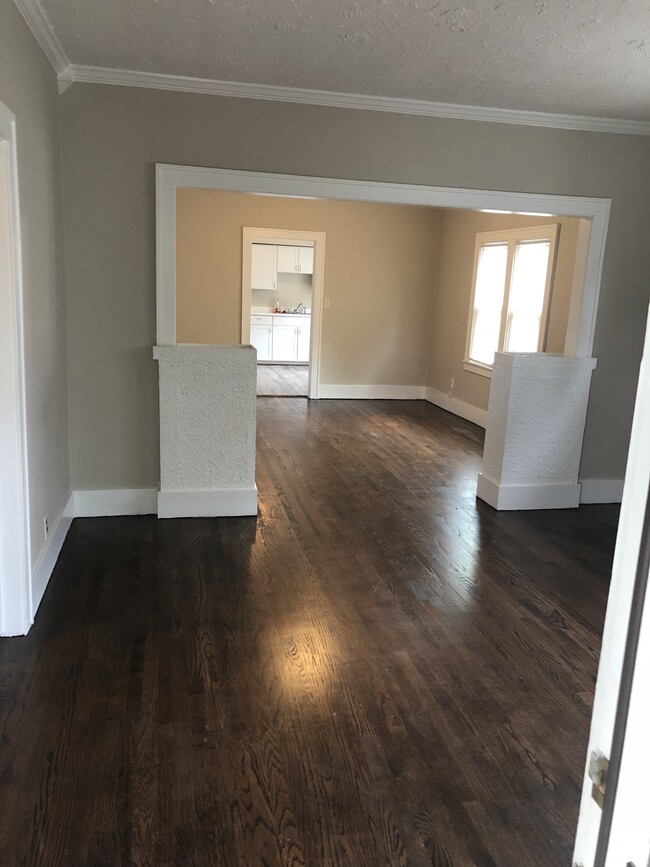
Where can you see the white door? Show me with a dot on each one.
(629, 829)
(284, 343)
(306, 260)
(287, 259)
(304, 335)
(264, 266)
(261, 339)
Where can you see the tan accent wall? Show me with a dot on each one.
(452, 300)
(381, 264)
(28, 87)
(112, 138)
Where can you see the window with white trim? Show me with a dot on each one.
(511, 289)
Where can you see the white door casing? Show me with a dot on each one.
(630, 830)
(15, 566)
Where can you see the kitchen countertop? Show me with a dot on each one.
(271, 313)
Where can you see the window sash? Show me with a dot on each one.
(514, 239)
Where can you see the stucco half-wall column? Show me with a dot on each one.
(207, 431)
(533, 439)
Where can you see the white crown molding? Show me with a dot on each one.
(243, 90)
(32, 12)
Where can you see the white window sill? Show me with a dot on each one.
(481, 369)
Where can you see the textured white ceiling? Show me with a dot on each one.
(589, 57)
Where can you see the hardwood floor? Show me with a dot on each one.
(378, 670)
(282, 380)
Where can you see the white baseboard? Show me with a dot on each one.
(234, 502)
(405, 392)
(457, 407)
(104, 504)
(44, 566)
(519, 497)
(166, 504)
(371, 392)
(601, 490)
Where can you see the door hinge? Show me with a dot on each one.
(598, 767)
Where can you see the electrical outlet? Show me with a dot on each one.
(450, 393)
(46, 527)
(326, 303)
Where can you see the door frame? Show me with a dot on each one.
(619, 718)
(252, 235)
(589, 255)
(15, 562)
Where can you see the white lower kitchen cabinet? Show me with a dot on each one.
(284, 343)
(262, 340)
(262, 336)
(303, 337)
(281, 337)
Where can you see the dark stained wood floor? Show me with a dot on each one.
(377, 671)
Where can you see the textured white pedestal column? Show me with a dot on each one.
(533, 439)
(207, 431)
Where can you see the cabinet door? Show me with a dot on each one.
(264, 266)
(261, 338)
(306, 260)
(304, 334)
(284, 343)
(287, 259)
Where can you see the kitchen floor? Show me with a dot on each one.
(282, 380)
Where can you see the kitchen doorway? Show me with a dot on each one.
(282, 278)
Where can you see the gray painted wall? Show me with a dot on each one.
(28, 88)
(113, 136)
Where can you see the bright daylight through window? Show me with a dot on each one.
(513, 273)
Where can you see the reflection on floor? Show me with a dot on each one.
(282, 380)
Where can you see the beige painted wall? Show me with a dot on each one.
(452, 300)
(112, 138)
(28, 88)
(381, 262)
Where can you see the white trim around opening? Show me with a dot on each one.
(594, 211)
(15, 561)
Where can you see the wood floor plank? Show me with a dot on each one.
(282, 380)
(377, 670)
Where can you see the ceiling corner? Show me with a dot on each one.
(33, 13)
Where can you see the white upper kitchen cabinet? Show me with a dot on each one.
(264, 266)
(287, 259)
(306, 260)
(295, 260)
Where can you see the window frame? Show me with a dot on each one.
(548, 232)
